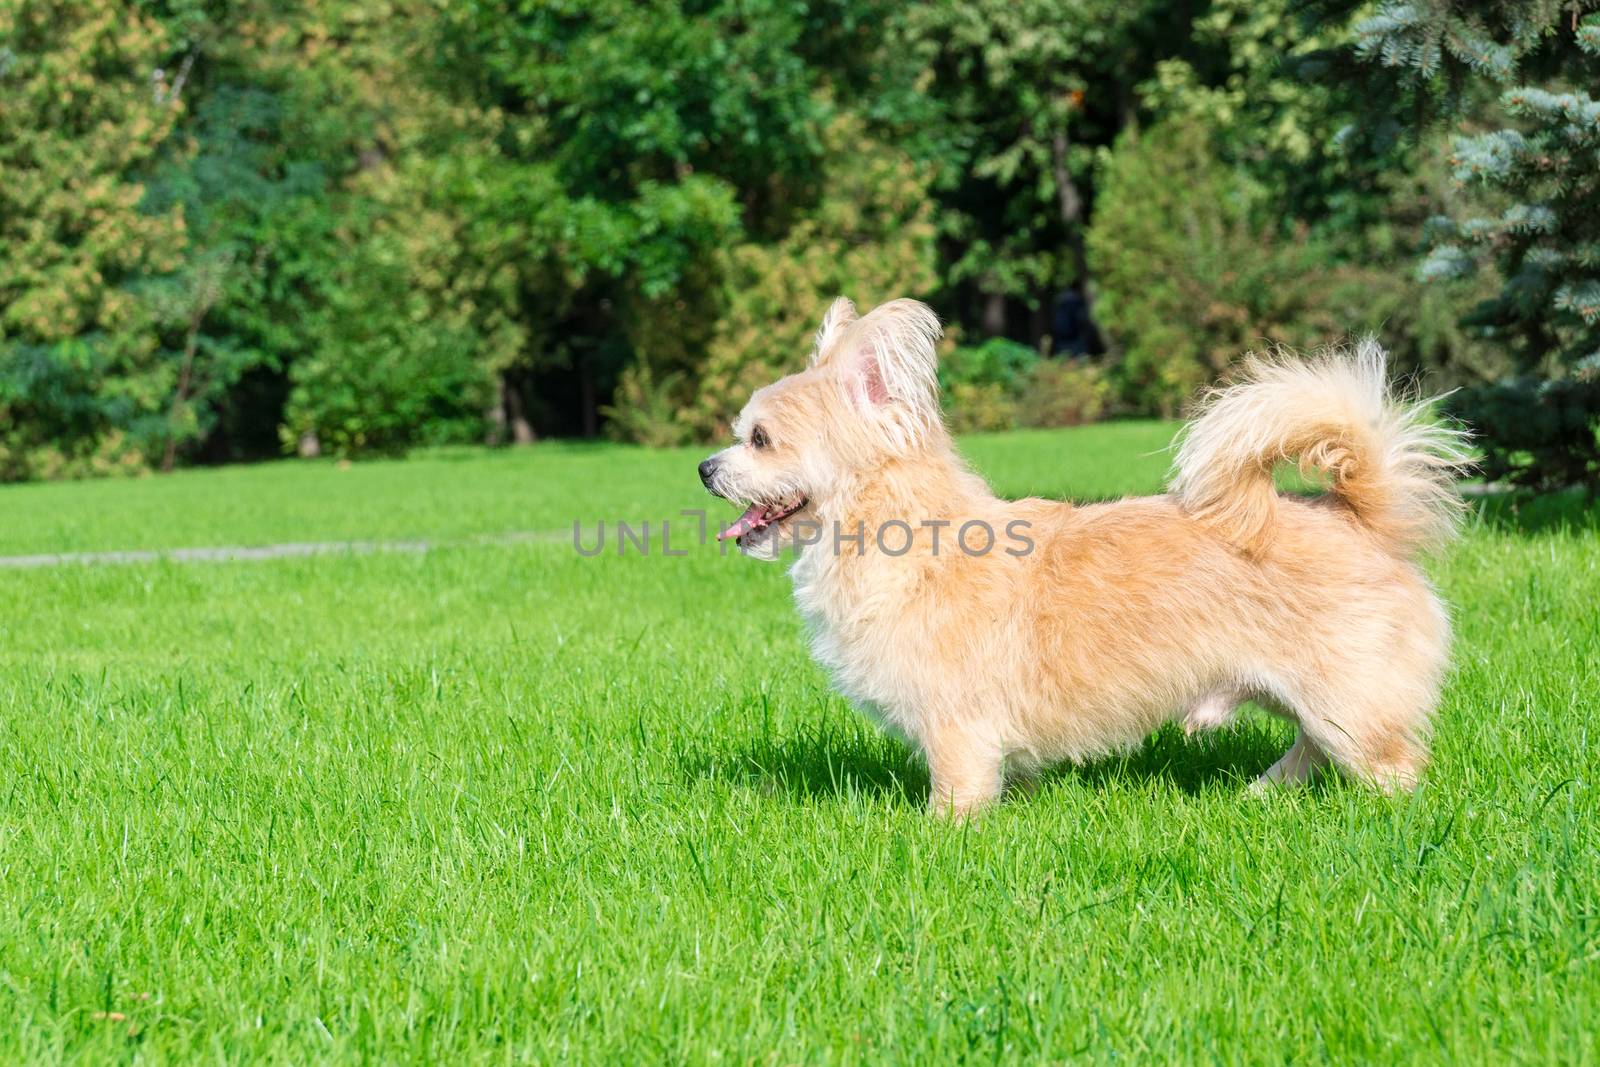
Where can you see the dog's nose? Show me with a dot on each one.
(707, 469)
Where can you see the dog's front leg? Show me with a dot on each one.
(966, 769)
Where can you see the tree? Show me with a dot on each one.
(351, 281)
(1023, 93)
(665, 131)
(1245, 81)
(871, 237)
(1192, 278)
(84, 381)
(1275, 235)
(232, 309)
(1532, 161)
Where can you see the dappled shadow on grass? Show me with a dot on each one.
(818, 763)
(1230, 758)
(824, 763)
(1531, 513)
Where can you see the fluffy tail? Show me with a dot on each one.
(1386, 459)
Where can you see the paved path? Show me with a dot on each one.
(257, 553)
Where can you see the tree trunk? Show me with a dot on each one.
(191, 344)
(496, 415)
(994, 314)
(1039, 326)
(586, 390)
(1070, 203)
(310, 446)
(521, 429)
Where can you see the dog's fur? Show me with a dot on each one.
(1124, 615)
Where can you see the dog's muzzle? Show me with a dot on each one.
(708, 471)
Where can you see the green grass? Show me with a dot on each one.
(500, 802)
(461, 494)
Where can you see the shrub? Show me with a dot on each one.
(980, 407)
(381, 395)
(1189, 281)
(645, 410)
(1539, 433)
(979, 385)
(996, 361)
(387, 372)
(1064, 393)
(999, 385)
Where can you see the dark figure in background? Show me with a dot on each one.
(1072, 333)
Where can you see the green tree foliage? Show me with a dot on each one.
(408, 292)
(664, 132)
(1275, 235)
(341, 226)
(245, 196)
(1529, 158)
(1194, 275)
(871, 235)
(1189, 277)
(1021, 95)
(83, 375)
(1245, 83)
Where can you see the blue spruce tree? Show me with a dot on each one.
(1527, 68)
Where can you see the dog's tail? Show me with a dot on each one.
(1387, 459)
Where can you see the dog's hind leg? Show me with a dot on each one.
(1022, 776)
(1371, 716)
(1368, 699)
(1374, 733)
(1377, 741)
(1300, 764)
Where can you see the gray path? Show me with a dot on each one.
(259, 553)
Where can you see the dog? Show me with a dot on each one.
(1090, 626)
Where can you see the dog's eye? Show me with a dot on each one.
(758, 438)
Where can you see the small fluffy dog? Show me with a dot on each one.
(1082, 629)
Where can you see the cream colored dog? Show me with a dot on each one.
(1082, 629)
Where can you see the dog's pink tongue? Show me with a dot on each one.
(750, 520)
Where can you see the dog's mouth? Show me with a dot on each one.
(758, 517)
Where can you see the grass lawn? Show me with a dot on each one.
(498, 801)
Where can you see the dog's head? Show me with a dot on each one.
(870, 394)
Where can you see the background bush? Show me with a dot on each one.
(981, 385)
(1001, 385)
(1063, 393)
(1537, 432)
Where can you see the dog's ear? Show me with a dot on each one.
(840, 314)
(890, 365)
